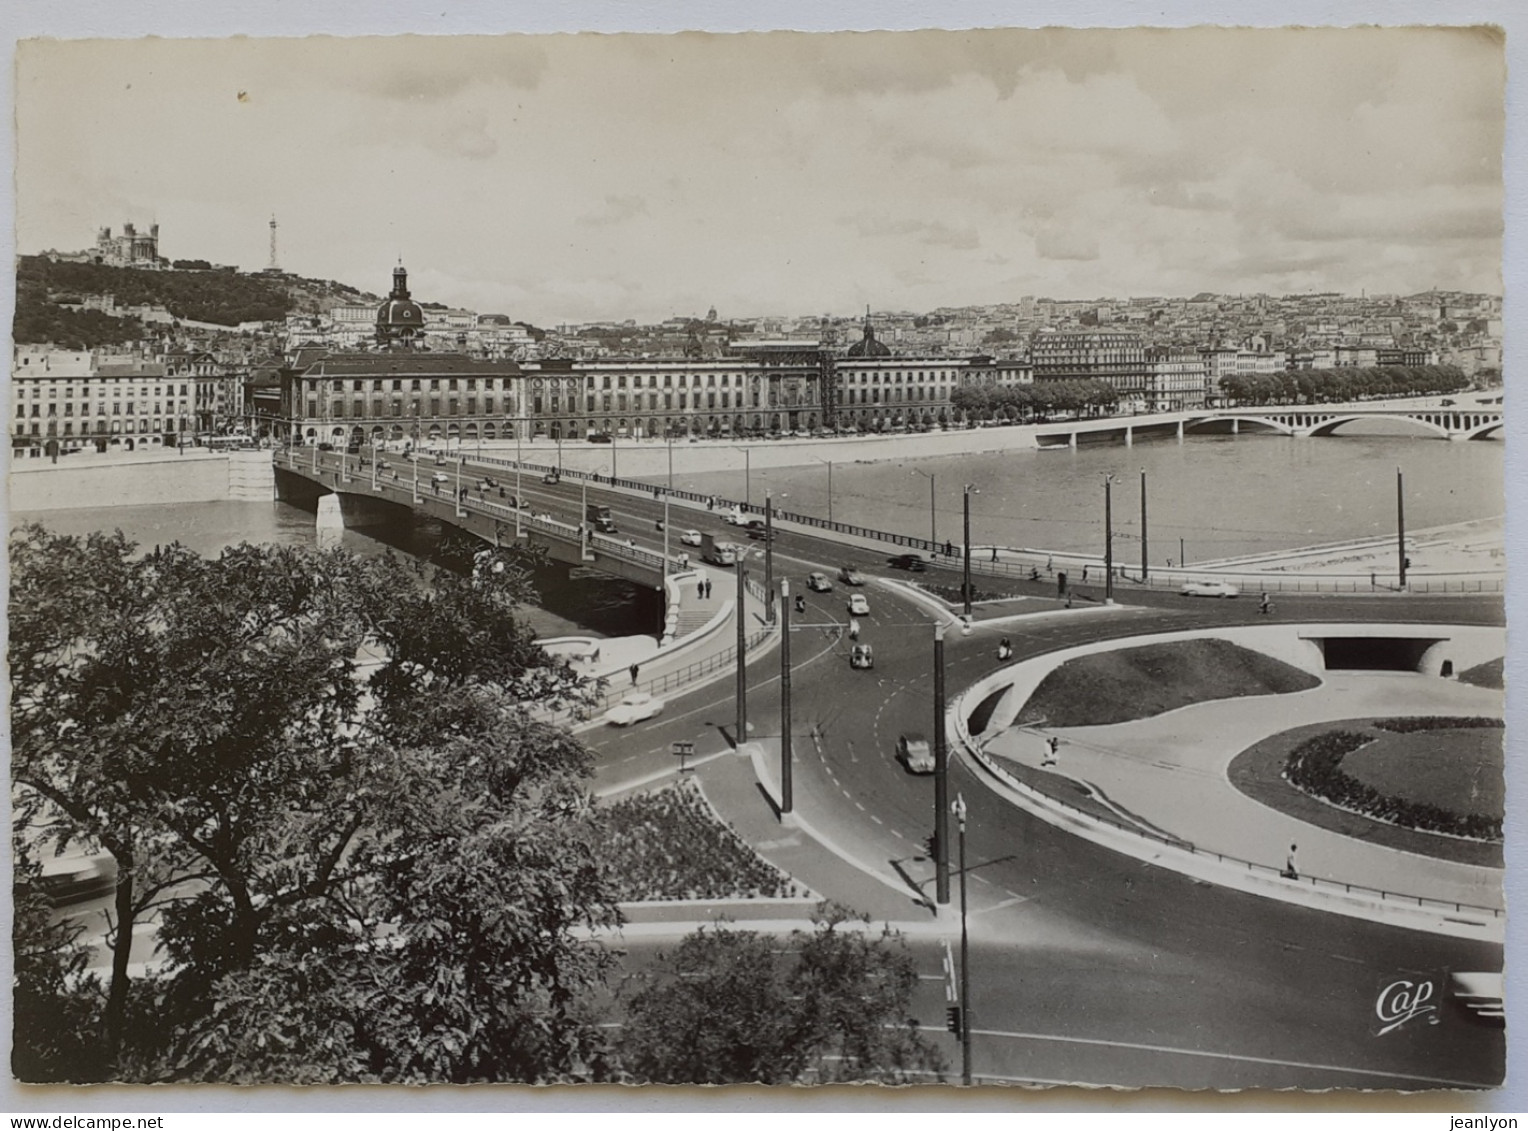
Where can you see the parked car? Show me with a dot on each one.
(858, 606)
(850, 576)
(690, 538)
(861, 656)
(914, 753)
(913, 563)
(633, 708)
(600, 438)
(551, 478)
(1208, 589)
(819, 583)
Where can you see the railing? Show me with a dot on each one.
(1021, 563)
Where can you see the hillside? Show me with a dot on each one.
(221, 297)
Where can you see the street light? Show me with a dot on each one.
(742, 666)
(1144, 566)
(830, 486)
(785, 698)
(959, 809)
(965, 586)
(1400, 526)
(941, 779)
(1108, 540)
(933, 537)
(747, 476)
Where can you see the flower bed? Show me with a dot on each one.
(1315, 767)
(670, 845)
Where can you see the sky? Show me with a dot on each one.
(561, 178)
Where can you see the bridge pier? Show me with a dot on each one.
(1180, 431)
(1071, 441)
(1235, 427)
(1129, 436)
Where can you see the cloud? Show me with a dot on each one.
(1053, 242)
(934, 233)
(617, 210)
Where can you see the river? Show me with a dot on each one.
(1208, 498)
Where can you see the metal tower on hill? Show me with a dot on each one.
(273, 266)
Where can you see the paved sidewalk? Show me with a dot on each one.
(1170, 771)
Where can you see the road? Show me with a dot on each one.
(1088, 966)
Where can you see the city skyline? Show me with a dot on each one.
(903, 170)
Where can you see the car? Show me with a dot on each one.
(735, 517)
(690, 538)
(440, 477)
(913, 752)
(910, 562)
(861, 656)
(1208, 589)
(600, 438)
(633, 708)
(76, 875)
(819, 583)
(858, 606)
(551, 478)
(850, 576)
(326, 446)
(1447, 401)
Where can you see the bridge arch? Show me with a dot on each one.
(1485, 431)
(1329, 427)
(1260, 422)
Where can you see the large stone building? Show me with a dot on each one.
(131, 249)
(63, 401)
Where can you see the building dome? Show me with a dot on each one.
(867, 346)
(400, 318)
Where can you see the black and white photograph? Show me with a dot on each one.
(932, 557)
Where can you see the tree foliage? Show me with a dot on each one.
(1025, 402)
(223, 297)
(825, 1006)
(365, 847)
(1320, 386)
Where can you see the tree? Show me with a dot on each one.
(732, 1006)
(389, 850)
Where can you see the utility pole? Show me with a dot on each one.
(1108, 540)
(1400, 525)
(1144, 566)
(785, 698)
(941, 779)
(769, 557)
(965, 586)
(742, 670)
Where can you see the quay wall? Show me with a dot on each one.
(130, 479)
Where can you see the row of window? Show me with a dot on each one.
(116, 408)
(113, 388)
(145, 426)
(605, 402)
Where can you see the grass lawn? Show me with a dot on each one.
(1258, 772)
(1488, 674)
(1460, 770)
(1137, 683)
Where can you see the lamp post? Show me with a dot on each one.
(769, 557)
(461, 509)
(1108, 540)
(1143, 526)
(669, 431)
(941, 779)
(742, 667)
(959, 809)
(965, 585)
(785, 698)
(666, 559)
(933, 537)
(830, 487)
(1400, 525)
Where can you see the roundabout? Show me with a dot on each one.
(1161, 788)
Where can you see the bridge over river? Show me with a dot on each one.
(1461, 423)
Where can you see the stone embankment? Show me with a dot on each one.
(155, 477)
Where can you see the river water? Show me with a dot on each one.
(1221, 496)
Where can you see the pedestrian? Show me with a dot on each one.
(708, 588)
(1034, 574)
(853, 628)
(994, 553)
(1069, 598)
(700, 590)
(1264, 605)
(1049, 571)
(1052, 751)
(634, 669)
(1291, 870)
(800, 603)
(949, 549)
(1084, 574)
(501, 493)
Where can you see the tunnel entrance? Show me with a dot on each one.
(1375, 653)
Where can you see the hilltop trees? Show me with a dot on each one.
(366, 853)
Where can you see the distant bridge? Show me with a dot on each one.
(368, 496)
(1447, 423)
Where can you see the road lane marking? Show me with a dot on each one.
(1240, 1057)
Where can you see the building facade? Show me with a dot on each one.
(1116, 357)
(63, 401)
(131, 249)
